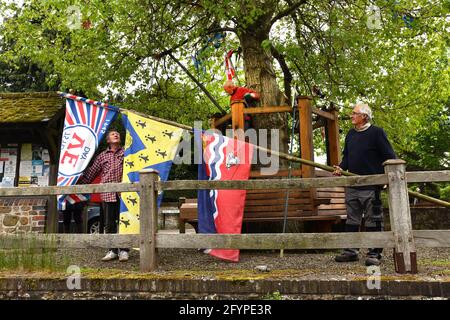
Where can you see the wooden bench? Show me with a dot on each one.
(324, 206)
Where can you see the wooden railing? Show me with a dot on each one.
(402, 238)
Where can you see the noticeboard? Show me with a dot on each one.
(24, 165)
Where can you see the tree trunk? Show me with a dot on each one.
(260, 76)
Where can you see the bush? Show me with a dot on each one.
(445, 193)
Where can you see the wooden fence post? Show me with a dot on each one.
(306, 134)
(405, 258)
(237, 118)
(306, 145)
(52, 209)
(148, 218)
(334, 149)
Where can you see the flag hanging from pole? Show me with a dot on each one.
(229, 68)
(222, 211)
(85, 123)
(148, 144)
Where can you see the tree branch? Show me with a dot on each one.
(162, 54)
(287, 73)
(220, 30)
(170, 50)
(201, 86)
(287, 11)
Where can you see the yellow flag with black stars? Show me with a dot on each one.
(148, 144)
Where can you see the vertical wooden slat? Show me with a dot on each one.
(306, 143)
(52, 210)
(237, 116)
(333, 139)
(148, 218)
(400, 217)
(306, 134)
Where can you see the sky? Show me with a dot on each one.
(2, 14)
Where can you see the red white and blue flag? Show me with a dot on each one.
(229, 68)
(85, 124)
(221, 211)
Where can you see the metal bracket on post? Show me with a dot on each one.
(413, 258)
(399, 262)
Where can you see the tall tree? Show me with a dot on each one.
(394, 56)
(21, 74)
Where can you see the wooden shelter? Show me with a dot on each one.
(30, 134)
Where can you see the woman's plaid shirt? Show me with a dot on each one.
(109, 164)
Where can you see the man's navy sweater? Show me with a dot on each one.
(365, 151)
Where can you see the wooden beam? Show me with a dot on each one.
(256, 174)
(325, 114)
(14, 241)
(213, 241)
(304, 183)
(220, 121)
(277, 241)
(348, 181)
(54, 190)
(424, 239)
(432, 238)
(428, 176)
(259, 110)
(237, 116)
(306, 134)
(52, 209)
(378, 179)
(306, 142)
(334, 148)
(267, 110)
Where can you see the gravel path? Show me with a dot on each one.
(433, 264)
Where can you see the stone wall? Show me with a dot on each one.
(391, 288)
(425, 218)
(428, 218)
(22, 215)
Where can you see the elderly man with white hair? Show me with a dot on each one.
(366, 148)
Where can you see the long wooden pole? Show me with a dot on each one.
(344, 173)
(349, 174)
(201, 86)
(102, 104)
